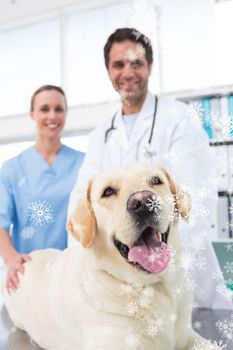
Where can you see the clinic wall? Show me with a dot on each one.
(187, 36)
(15, 10)
(80, 120)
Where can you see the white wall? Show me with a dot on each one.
(186, 54)
(80, 120)
(187, 44)
(14, 10)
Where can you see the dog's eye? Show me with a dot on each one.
(155, 180)
(109, 191)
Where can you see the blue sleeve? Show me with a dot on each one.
(6, 198)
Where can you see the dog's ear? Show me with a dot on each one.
(182, 199)
(82, 223)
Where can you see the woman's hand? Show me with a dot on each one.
(15, 265)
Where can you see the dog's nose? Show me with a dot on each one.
(138, 201)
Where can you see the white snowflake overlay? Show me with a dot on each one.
(40, 213)
(193, 257)
(200, 345)
(27, 233)
(154, 204)
(225, 327)
(221, 125)
(229, 267)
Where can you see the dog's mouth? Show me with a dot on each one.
(149, 253)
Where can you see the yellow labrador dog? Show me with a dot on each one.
(118, 288)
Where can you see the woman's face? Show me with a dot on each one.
(49, 113)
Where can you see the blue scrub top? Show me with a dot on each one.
(34, 198)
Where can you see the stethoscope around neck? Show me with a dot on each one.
(148, 151)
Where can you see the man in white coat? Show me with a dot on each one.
(165, 131)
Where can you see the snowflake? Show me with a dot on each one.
(198, 345)
(229, 247)
(202, 193)
(190, 283)
(217, 275)
(197, 325)
(195, 113)
(124, 94)
(197, 196)
(229, 267)
(138, 287)
(186, 261)
(153, 257)
(221, 288)
(169, 200)
(132, 342)
(225, 327)
(172, 216)
(27, 233)
(193, 255)
(135, 54)
(220, 345)
(182, 202)
(201, 210)
(132, 308)
(207, 345)
(198, 107)
(200, 262)
(40, 213)
(152, 330)
(221, 125)
(137, 34)
(154, 204)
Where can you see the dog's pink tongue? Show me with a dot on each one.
(152, 255)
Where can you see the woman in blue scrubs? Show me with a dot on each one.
(35, 186)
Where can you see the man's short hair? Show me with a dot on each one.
(131, 34)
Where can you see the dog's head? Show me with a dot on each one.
(128, 215)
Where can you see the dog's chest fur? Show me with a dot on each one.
(128, 313)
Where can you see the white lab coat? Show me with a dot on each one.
(181, 146)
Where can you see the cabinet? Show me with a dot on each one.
(214, 108)
(215, 111)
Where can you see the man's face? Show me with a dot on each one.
(129, 70)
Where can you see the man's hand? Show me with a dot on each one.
(15, 265)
